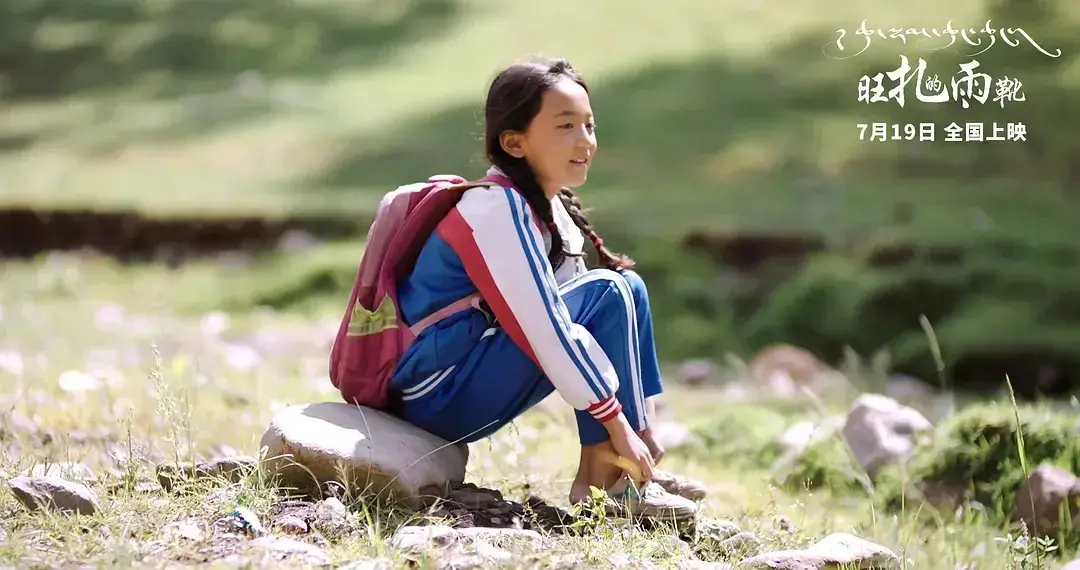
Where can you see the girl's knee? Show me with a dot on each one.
(608, 290)
(637, 284)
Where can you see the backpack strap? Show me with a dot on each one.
(473, 301)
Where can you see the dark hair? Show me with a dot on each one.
(513, 101)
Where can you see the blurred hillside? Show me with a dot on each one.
(731, 165)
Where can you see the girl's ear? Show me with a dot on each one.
(513, 143)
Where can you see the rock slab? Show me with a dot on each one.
(366, 450)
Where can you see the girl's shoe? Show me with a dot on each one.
(681, 486)
(650, 501)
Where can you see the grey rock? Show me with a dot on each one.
(1047, 493)
(368, 448)
(371, 564)
(881, 431)
(291, 524)
(839, 549)
(289, 550)
(54, 493)
(188, 529)
(331, 516)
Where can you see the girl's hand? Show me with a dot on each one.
(655, 449)
(646, 434)
(627, 444)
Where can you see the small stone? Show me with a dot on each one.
(881, 431)
(839, 549)
(373, 564)
(332, 509)
(1041, 499)
(285, 549)
(420, 538)
(505, 537)
(291, 524)
(54, 493)
(474, 547)
(331, 516)
(188, 529)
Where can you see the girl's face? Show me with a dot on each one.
(560, 142)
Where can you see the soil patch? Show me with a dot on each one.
(131, 236)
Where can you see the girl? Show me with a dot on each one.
(547, 324)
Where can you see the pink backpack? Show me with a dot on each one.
(372, 338)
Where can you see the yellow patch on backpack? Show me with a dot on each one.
(363, 322)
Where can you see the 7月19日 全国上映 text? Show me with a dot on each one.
(953, 132)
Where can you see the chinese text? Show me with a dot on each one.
(965, 86)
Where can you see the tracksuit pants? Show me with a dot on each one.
(497, 382)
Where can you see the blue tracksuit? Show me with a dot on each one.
(586, 334)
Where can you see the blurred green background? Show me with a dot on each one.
(730, 165)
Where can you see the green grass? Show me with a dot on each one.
(731, 113)
(177, 386)
(157, 119)
(231, 282)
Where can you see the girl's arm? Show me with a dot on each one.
(495, 234)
